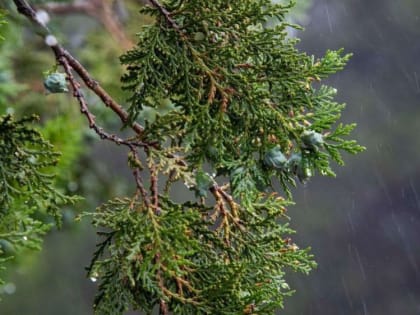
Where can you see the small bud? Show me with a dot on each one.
(272, 138)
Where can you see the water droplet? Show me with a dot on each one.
(94, 277)
(284, 286)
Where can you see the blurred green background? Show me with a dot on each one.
(363, 226)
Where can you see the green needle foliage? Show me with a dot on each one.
(239, 90)
(27, 190)
(232, 108)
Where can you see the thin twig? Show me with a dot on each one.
(139, 180)
(98, 90)
(78, 94)
(140, 187)
(154, 188)
(163, 308)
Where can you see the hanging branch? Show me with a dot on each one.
(203, 71)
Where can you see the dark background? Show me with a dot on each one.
(363, 226)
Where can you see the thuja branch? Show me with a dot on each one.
(215, 88)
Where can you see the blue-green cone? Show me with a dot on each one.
(56, 83)
(275, 159)
(312, 139)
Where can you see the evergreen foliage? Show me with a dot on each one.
(233, 111)
(234, 100)
(27, 190)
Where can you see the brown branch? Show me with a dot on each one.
(229, 199)
(154, 189)
(222, 200)
(96, 88)
(78, 94)
(163, 307)
(25, 9)
(220, 209)
(140, 187)
(139, 181)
